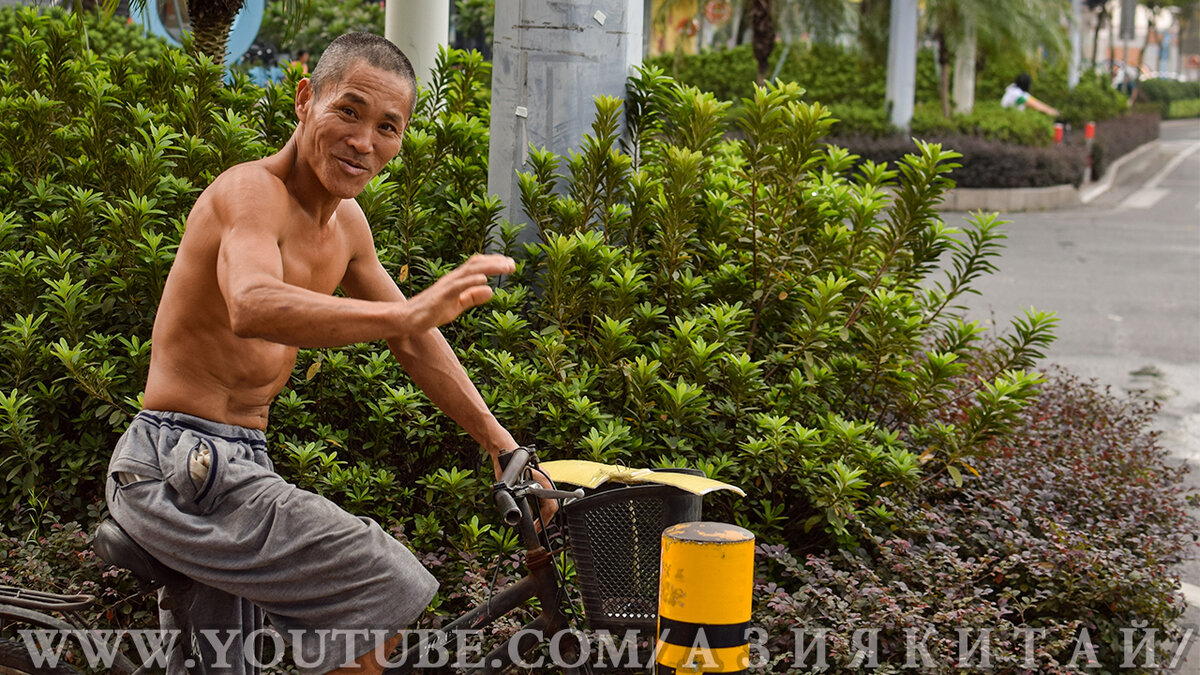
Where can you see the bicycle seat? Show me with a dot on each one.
(116, 547)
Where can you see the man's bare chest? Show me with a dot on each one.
(315, 262)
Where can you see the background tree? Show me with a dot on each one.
(768, 20)
(1011, 25)
(1154, 7)
(324, 21)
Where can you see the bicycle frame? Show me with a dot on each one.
(513, 501)
(31, 608)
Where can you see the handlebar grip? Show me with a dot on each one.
(505, 504)
(513, 463)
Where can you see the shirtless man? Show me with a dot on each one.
(265, 247)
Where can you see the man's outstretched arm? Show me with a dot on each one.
(425, 355)
(262, 305)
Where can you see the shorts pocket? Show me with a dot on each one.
(195, 468)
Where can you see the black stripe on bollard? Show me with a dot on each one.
(716, 635)
(660, 669)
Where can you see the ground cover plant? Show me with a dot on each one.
(1070, 528)
(733, 294)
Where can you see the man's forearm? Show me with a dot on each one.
(434, 368)
(298, 317)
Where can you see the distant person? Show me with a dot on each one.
(1125, 79)
(302, 60)
(1017, 96)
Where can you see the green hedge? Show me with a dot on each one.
(854, 88)
(1173, 99)
(698, 302)
(988, 121)
(1181, 109)
(827, 73)
(1163, 90)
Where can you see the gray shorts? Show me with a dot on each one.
(332, 584)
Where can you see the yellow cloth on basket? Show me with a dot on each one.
(593, 474)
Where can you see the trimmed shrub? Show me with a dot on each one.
(1163, 90)
(1117, 137)
(989, 121)
(827, 73)
(860, 120)
(1071, 529)
(1173, 99)
(1181, 109)
(986, 163)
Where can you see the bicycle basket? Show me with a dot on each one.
(616, 539)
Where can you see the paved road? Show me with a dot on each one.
(1123, 275)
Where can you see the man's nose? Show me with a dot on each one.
(360, 139)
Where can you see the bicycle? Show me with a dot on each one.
(516, 496)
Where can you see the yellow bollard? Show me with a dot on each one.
(704, 599)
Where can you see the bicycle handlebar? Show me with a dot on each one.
(513, 465)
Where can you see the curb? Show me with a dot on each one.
(1040, 198)
(1089, 193)
(1011, 199)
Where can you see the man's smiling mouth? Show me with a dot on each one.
(352, 167)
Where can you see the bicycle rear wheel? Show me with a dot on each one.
(15, 660)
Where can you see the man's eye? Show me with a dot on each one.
(388, 128)
(349, 112)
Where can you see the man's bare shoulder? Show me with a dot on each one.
(251, 187)
(354, 223)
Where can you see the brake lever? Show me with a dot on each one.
(544, 493)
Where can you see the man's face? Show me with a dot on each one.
(353, 128)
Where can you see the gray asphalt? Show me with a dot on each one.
(1123, 275)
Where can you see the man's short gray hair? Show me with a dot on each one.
(341, 55)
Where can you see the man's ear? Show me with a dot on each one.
(304, 98)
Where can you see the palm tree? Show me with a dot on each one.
(212, 20)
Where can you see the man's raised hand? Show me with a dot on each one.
(459, 290)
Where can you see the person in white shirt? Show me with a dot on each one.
(1017, 96)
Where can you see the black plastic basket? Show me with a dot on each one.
(616, 535)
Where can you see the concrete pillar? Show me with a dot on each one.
(964, 70)
(418, 28)
(1076, 44)
(551, 59)
(902, 62)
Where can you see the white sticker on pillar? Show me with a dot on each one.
(599, 17)
(522, 111)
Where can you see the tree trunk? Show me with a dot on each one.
(762, 23)
(1151, 31)
(964, 70)
(1096, 37)
(743, 17)
(211, 22)
(944, 67)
